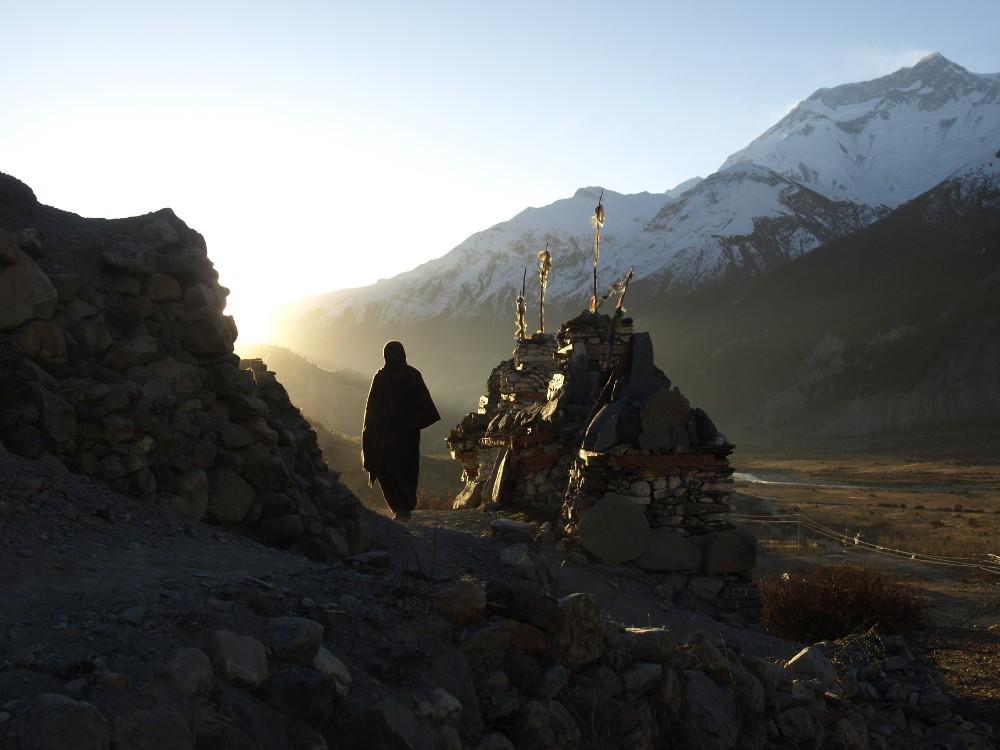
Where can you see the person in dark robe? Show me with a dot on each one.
(399, 407)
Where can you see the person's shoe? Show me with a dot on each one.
(402, 516)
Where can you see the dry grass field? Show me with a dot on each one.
(937, 504)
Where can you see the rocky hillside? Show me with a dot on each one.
(127, 626)
(334, 398)
(116, 361)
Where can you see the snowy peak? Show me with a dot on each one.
(885, 141)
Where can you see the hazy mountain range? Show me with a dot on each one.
(832, 173)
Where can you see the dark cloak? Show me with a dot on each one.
(399, 407)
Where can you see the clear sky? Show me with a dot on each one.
(320, 145)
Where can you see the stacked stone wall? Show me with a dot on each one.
(116, 361)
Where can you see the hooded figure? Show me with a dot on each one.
(399, 407)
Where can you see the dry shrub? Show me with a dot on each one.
(831, 602)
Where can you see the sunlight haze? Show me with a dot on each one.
(323, 145)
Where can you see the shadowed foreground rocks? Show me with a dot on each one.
(129, 626)
(116, 361)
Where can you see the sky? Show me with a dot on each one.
(323, 145)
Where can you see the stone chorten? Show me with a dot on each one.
(612, 450)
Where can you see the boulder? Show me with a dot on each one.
(659, 415)
(642, 676)
(580, 641)
(712, 715)
(463, 603)
(812, 662)
(305, 694)
(159, 727)
(439, 705)
(334, 669)
(131, 352)
(210, 335)
(191, 671)
(193, 489)
(55, 722)
(26, 292)
(8, 250)
(294, 639)
(526, 602)
(162, 288)
(160, 234)
(667, 550)
(230, 497)
(730, 551)
(614, 529)
(542, 726)
(43, 341)
(240, 658)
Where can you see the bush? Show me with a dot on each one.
(833, 602)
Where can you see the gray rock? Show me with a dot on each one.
(526, 602)
(614, 529)
(265, 726)
(660, 414)
(191, 671)
(440, 705)
(334, 669)
(812, 662)
(305, 694)
(580, 641)
(462, 603)
(162, 288)
(55, 722)
(641, 676)
(43, 341)
(495, 741)
(131, 352)
(706, 587)
(26, 292)
(160, 234)
(653, 644)
(730, 551)
(8, 250)
(158, 727)
(668, 550)
(543, 726)
(798, 725)
(230, 497)
(294, 639)
(240, 658)
(283, 530)
(216, 734)
(193, 489)
(553, 682)
(712, 715)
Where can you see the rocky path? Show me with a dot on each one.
(124, 626)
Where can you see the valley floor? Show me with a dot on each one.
(937, 520)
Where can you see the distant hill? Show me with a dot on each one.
(894, 328)
(439, 475)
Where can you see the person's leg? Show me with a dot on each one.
(395, 496)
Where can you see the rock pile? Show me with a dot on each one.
(116, 361)
(517, 448)
(615, 454)
(651, 486)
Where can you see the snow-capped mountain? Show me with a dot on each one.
(885, 141)
(840, 160)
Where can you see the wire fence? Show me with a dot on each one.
(986, 563)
